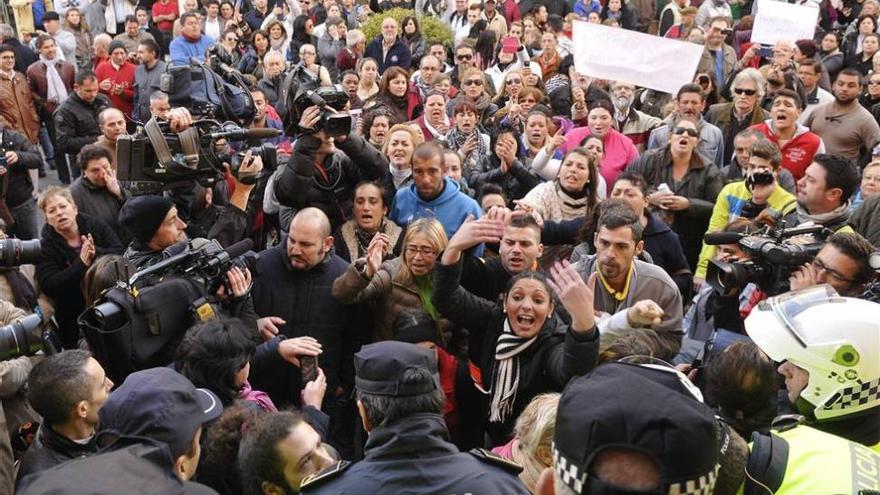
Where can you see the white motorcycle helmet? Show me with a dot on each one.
(836, 339)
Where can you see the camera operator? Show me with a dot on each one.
(715, 316)
(321, 175)
(747, 198)
(842, 263)
(14, 374)
(18, 285)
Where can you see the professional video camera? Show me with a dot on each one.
(15, 252)
(335, 121)
(138, 323)
(19, 338)
(154, 158)
(775, 253)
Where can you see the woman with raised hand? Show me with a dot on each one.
(520, 348)
(399, 283)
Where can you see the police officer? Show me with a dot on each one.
(829, 347)
(408, 450)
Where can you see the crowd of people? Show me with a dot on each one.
(506, 276)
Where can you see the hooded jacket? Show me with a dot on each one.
(798, 152)
(450, 208)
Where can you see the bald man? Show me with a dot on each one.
(292, 296)
(111, 121)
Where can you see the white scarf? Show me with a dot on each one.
(506, 381)
(56, 91)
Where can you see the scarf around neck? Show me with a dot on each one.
(832, 220)
(455, 138)
(56, 90)
(507, 370)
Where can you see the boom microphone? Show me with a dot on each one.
(719, 238)
(244, 134)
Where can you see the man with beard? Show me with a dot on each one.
(689, 104)
(632, 123)
(845, 126)
(796, 143)
(293, 294)
(147, 77)
(633, 294)
(263, 121)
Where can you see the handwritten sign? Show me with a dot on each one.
(777, 21)
(662, 64)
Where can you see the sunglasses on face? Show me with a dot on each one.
(747, 92)
(464, 57)
(513, 81)
(686, 130)
(473, 82)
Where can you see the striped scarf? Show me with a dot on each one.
(506, 379)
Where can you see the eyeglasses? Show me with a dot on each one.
(686, 130)
(306, 53)
(820, 266)
(232, 40)
(464, 57)
(473, 82)
(513, 81)
(425, 251)
(873, 83)
(744, 91)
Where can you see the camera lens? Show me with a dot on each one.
(16, 340)
(15, 252)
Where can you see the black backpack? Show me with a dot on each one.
(206, 93)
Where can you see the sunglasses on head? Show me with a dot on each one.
(686, 130)
(747, 92)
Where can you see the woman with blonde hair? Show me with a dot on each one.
(397, 284)
(399, 148)
(533, 437)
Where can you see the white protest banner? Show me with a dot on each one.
(616, 54)
(784, 21)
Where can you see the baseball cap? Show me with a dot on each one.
(161, 404)
(51, 16)
(379, 369)
(606, 409)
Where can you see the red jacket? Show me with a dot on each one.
(123, 76)
(798, 153)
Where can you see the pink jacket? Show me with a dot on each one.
(619, 151)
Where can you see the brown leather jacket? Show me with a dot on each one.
(392, 292)
(36, 76)
(18, 111)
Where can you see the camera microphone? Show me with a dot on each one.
(244, 134)
(232, 252)
(720, 238)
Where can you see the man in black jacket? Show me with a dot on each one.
(17, 189)
(293, 294)
(96, 192)
(76, 120)
(67, 389)
(319, 175)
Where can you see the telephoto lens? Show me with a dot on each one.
(19, 338)
(15, 252)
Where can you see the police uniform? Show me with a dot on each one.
(412, 455)
(800, 459)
